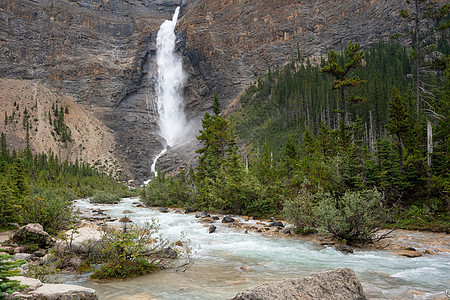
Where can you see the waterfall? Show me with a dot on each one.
(172, 120)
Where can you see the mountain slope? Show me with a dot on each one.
(90, 140)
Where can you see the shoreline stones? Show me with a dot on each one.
(43, 291)
(329, 285)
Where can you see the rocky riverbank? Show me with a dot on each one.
(401, 242)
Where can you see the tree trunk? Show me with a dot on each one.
(400, 151)
(429, 142)
(418, 53)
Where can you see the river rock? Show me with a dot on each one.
(206, 220)
(287, 231)
(212, 228)
(24, 256)
(79, 241)
(20, 249)
(333, 285)
(169, 253)
(277, 224)
(63, 292)
(409, 253)
(202, 214)
(163, 209)
(33, 233)
(40, 253)
(31, 283)
(346, 249)
(227, 219)
(36, 290)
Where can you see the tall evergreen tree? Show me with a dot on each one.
(216, 106)
(399, 122)
(354, 59)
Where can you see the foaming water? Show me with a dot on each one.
(217, 272)
(172, 120)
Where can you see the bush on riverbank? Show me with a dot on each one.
(48, 208)
(353, 217)
(103, 197)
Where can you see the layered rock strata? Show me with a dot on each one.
(102, 54)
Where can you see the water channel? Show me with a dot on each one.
(229, 261)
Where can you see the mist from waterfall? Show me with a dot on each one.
(171, 78)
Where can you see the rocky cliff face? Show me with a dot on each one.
(238, 40)
(102, 53)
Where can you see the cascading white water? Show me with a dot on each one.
(172, 120)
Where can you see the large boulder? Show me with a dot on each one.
(79, 241)
(33, 233)
(332, 285)
(35, 289)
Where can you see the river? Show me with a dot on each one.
(229, 261)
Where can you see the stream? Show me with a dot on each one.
(229, 261)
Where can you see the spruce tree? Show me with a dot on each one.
(216, 107)
(399, 122)
(341, 80)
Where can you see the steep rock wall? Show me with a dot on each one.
(233, 41)
(101, 53)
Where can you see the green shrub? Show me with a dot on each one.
(301, 211)
(354, 217)
(53, 211)
(134, 251)
(105, 197)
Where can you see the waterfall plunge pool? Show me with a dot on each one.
(217, 272)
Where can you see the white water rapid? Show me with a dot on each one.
(217, 274)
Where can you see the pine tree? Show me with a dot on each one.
(216, 107)
(355, 59)
(399, 122)
(8, 268)
(291, 156)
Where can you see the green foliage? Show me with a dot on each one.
(171, 191)
(301, 211)
(9, 269)
(133, 252)
(48, 208)
(39, 188)
(216, 106)
(104, 197)
(341, 76)
(354, 217)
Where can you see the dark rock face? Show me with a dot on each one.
(102, 53)
(340, 284)
(212, 228)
